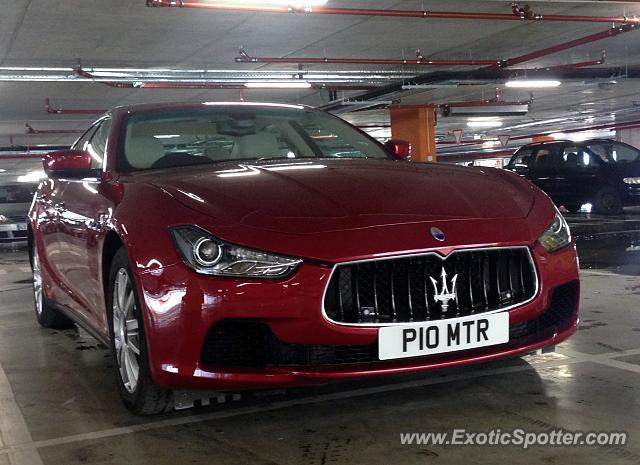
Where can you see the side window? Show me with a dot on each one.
(521, 161)
(600, 150)
(622, 153)
(83, 141)
(574, 157)
(544, 158)
(98, 143)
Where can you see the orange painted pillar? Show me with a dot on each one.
(417, 125)
(536, 139)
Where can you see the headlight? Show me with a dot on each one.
(557, 235)
(632, 180)
(209, 255)
(3, 219)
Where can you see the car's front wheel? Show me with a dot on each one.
(607, 202)
(47, 316)
(128, 343)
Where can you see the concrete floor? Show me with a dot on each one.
(59, 405)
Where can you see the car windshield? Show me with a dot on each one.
(238, 133)
(614, 152)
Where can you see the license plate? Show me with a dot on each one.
(22, 226)
(413, 340)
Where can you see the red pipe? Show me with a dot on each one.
(513, 16)
(20, 156)
(188, 85)
(611, 126)
(60, 111)
(419, 60)
(582, 64)
(244, 57)
(482, 103)
(611, 32)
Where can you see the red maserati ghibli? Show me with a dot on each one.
(243, 246)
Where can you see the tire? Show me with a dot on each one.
(607, 202)
(128, 343)
(47, 316)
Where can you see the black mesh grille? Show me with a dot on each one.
(411, 289)
(237, 343)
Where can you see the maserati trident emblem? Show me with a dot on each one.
(445, 294)
(437, 234)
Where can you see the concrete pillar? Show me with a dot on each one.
(629, 136)
(417, 125)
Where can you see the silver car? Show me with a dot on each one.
(19, 178)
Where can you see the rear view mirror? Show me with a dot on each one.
(68, 163)
(400, 149)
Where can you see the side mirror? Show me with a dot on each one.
(68, 163)
(400, 149)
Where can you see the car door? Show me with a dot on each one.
(52, 240)
(544, 170)
(85, 211)
(579, 175)
(521, 162)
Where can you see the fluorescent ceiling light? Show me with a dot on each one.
(278, 85)
(532, 83)
(484, 124)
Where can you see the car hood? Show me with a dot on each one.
(309, 197)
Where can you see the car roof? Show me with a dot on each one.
(189, 105)
(567, 141)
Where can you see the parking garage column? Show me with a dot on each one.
(417, 125)
(630, 136)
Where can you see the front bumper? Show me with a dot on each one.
(181, 308)
(632, 194)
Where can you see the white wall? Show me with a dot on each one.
(630, 136)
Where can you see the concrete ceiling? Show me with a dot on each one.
(127, 34)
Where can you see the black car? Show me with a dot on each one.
(602, 172)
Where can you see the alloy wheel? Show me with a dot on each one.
(126, 334)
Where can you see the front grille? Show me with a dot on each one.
(414, 288)
(238, 343)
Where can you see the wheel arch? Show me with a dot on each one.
(112, 243)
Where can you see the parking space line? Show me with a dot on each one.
(13, 427)
(619, 364)
(279, 405)
(26, 449)
(3, 272)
